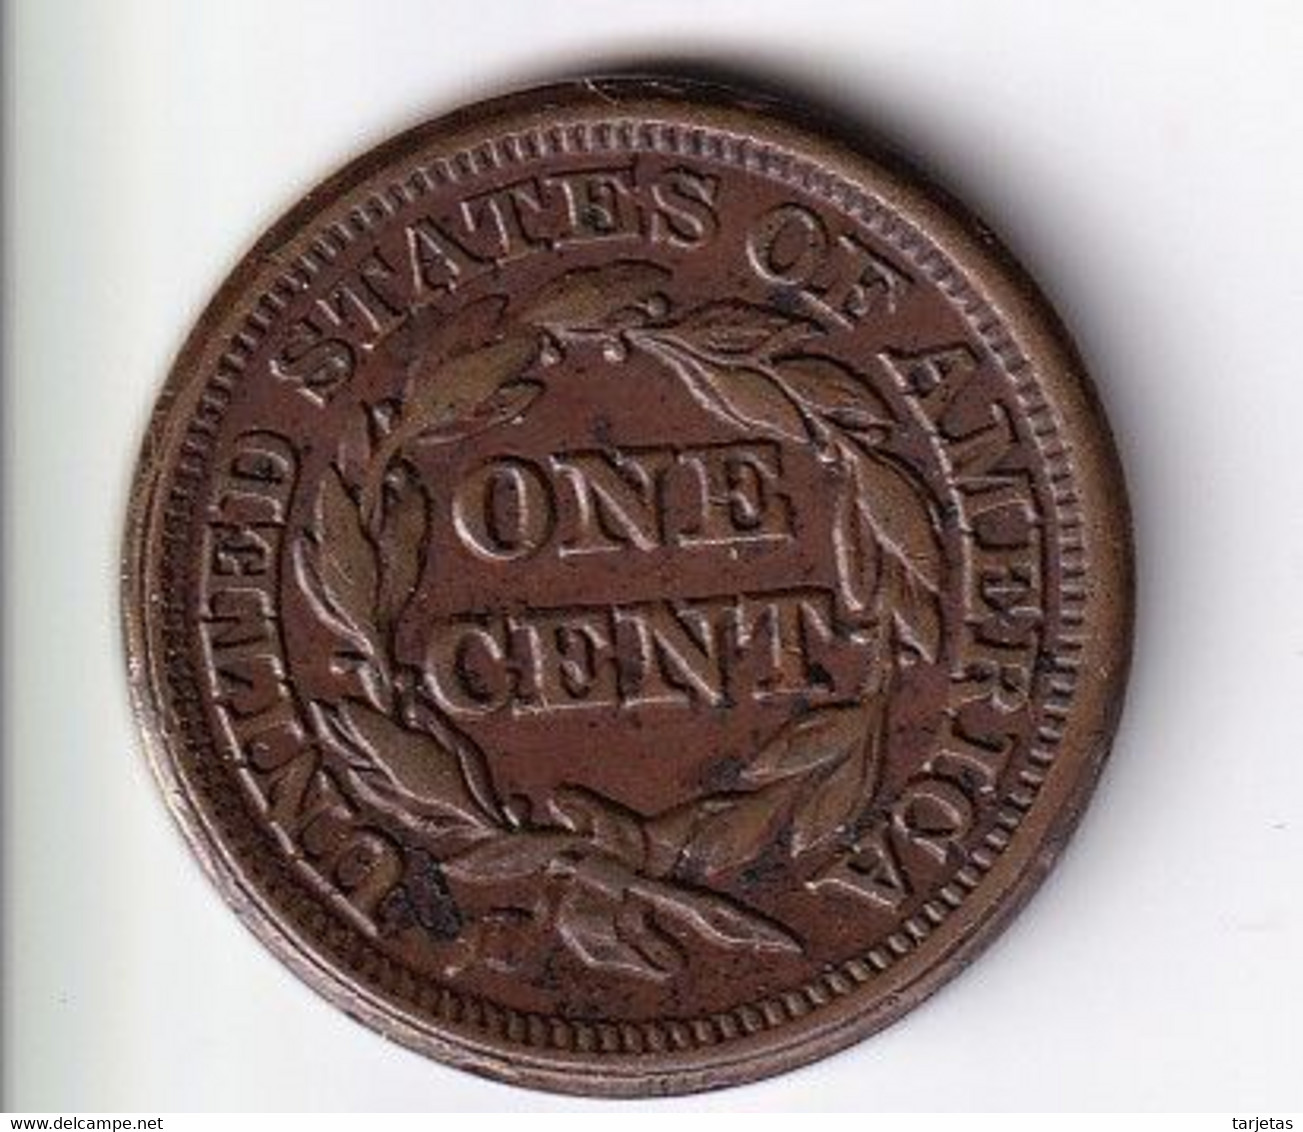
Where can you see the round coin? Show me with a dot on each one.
(627, 592)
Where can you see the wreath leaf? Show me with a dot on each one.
(832, 389)
(736, 329)
(818, 769)
(337, 568)
(450, 393)
(829, 806)
(455, 387)
(715, 917)
(899, 514)
(590, 298)
(635, 924)
(507, 403)
(353, 455)
(856, 553)
(843, 791)
(431, 333)
(753, 398)
(403, 542)
(720, 831)
(821, 739)
(308, 574)
(521, 854)
(606, 824)
(915, 609)
(894, 518)
(749, 397)
(588, 925)
(411, 763)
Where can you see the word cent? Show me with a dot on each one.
(627, 594)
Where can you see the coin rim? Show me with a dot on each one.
(1097, 479)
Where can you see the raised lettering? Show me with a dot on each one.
(505, 510)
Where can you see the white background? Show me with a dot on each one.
(1144, 160)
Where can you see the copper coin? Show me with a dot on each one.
(626, 593)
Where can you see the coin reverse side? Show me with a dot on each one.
(624, 593)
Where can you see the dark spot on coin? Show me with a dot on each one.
(429, 898)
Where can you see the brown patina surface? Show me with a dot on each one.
(624, 593)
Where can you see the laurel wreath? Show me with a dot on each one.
(636, 885)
